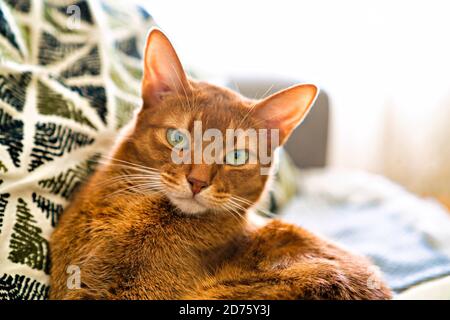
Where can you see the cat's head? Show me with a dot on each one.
(181, 132)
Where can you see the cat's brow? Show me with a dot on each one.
(158, 126)
(165, 125)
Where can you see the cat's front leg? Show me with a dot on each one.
(315, 279)
(315, 268)
(282, 261)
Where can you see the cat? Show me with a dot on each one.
(144, 227)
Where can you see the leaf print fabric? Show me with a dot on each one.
(64, 94)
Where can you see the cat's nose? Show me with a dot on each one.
(196, 185)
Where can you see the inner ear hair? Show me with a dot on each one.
(163, 72)
(286, 109)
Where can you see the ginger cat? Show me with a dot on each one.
(144, 227)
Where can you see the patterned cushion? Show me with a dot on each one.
(66, 87)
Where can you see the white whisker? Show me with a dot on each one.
(127, 162)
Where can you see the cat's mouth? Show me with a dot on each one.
(189, 205)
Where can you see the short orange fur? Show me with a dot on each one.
(134, 238)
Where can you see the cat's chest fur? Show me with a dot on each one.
(160, 253)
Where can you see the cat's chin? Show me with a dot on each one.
(188, 205)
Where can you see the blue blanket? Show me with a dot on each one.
(377, 227)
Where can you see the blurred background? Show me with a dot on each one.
(384, 66)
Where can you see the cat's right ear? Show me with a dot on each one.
(163, 72)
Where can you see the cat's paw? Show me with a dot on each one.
(320, 278)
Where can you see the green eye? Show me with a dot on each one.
(177, 139)
(236, 157)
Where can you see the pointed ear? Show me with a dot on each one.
(286, 109)
(163, 72)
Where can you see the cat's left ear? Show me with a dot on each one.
(286, 109)
(163, 72)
